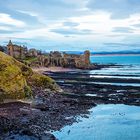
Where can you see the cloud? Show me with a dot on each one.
(71, 31)
(116, 46)
(118, 8)
(33, 14)
(63, 23)
(120, 44)
(70, 24)
(8, 20)
(5, 28)
(49, 9)
(123, 30)
(136, 25)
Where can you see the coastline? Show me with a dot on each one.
(61, 109)
(53, 69)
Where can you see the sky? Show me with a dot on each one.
(71, 25)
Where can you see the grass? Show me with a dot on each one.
(17, 79)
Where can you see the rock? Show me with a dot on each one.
(36, 130)
(39, 103)
(103, 90)
(25, 111)
(13, 75)
(48, 136)
(20, 137)
(5, 124)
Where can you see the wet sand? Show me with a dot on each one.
(54, 69)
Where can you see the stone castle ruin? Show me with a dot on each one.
(65, 60)
(54, 58)
(16, 51)
(21, 52)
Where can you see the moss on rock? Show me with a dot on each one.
(13, 83)
(43, 81)
(17, 79)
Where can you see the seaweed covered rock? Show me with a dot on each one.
(16, 79)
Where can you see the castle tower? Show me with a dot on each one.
(10, 48)
(87, 57)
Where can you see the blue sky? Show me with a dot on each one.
(73, 25)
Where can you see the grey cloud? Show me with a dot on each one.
(70, 24)
(136, 25)
(71, 31)
(123, 30)
(118, 8)
(122, 44)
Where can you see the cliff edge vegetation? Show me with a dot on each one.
(17, 80)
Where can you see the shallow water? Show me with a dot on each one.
(126, 70)
(129, 70)
(105, 122)
(118, 84)
(109, 122)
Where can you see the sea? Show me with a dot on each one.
(117, 59)
(130, 69)
(109, 121)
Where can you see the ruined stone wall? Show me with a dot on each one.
(21, 52)
(55, 58)
(17, 52)
(65, 60)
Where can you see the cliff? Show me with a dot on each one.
(17, 80)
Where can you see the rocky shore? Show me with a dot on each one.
(47, 112)
(51, 110)
(101, 90)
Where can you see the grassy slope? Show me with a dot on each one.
(16, 79)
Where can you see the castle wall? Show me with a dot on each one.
(52, 59)
(66, 60)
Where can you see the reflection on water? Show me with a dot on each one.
(105, 122)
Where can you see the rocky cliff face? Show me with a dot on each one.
(17, 80)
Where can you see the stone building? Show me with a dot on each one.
(54, 58)
(33, 53)
(16, 51)
(65, 60)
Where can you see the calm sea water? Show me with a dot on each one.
(109, 122)
(127, 60)
(130, 69)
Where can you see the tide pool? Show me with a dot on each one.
(105, 122)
